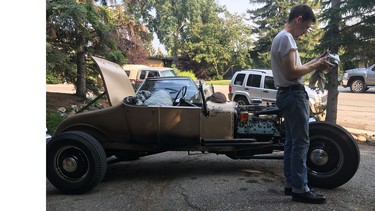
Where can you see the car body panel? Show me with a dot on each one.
(141, 125)
(220, 122)
(160, 126)
(116, 82)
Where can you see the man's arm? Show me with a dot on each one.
(293, 72)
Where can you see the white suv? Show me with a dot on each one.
(248, 85)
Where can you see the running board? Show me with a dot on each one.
(234, 142)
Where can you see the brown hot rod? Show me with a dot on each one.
(83, 144)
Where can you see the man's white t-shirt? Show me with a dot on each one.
(281, 45)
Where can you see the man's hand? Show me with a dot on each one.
(324, 64)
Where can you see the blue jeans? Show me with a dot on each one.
(294, 106)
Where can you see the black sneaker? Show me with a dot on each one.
(288, 191)
(309, 197)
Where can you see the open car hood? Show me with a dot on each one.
(115, 80)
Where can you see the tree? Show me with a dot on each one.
(217, 42)
(357, 31)
(269, 19)
(77, 29)
(171, 21)
(133, 37)
(193, 32)
(349, 27)
(74, 29)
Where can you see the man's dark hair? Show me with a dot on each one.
(302, 10)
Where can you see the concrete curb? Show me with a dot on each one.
(362, 136)
(360, 132)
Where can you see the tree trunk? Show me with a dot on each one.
(81, 75)
(332, 96)
(175, 50)
(333, 74)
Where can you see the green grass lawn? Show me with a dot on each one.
(219, 82)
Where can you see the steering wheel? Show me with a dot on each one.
(182, 92)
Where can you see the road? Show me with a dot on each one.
(356, 110)
(177, 181)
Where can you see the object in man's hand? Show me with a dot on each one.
(333, 59)
(317, 78)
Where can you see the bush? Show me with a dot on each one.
(218, 77)
(53, 120)
(187, 73)
(51, 79)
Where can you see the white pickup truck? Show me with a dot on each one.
(359, 79)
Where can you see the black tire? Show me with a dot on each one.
(333, 157)
(241, 100)
(76, 162)
(358, 86)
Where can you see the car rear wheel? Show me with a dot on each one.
(241, 100)
(358, 86)
(76, 162)
(333, 156)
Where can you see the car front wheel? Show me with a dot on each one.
(333, 156)
(76, 162)
(241, 100)
(358, 86)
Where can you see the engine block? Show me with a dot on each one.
(260, 128)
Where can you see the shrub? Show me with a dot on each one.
(187, 73)
(53, 120)
(218, 77)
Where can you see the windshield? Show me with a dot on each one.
(167, 73)
(172, 87)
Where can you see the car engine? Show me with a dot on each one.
(260, 127)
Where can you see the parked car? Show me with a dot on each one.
(359, 79)
(86, 143)
(247, 85)
(138, 73)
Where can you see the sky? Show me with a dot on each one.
(238, 6)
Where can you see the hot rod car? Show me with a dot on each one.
(85, 143)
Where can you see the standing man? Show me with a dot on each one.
(292, 100)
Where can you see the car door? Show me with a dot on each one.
(269, 92)
(179, 126)
(371, 75)
(252, 86)
(143, 124)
